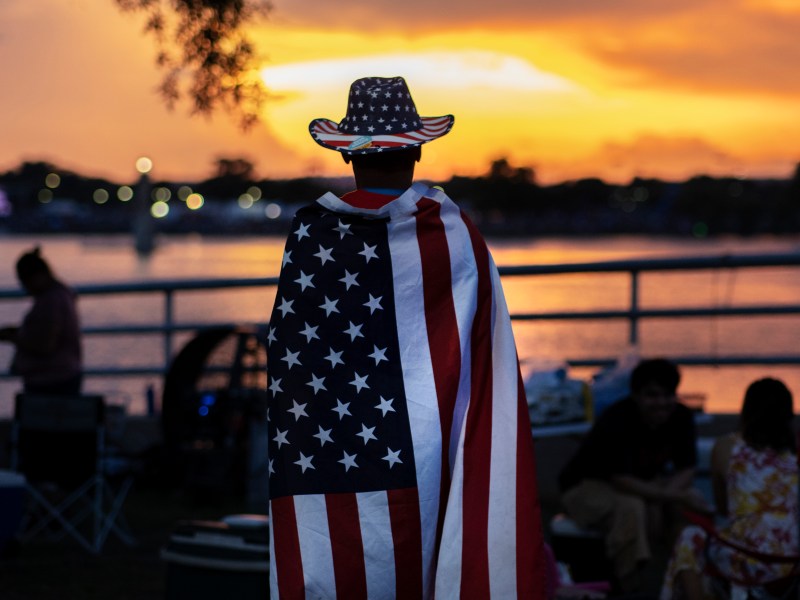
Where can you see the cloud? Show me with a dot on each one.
(655, 156)
(744, 50)
(715, 45)
(453, 71)
(425, 16)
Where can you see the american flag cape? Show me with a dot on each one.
(400, 450)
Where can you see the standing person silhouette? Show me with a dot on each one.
(401, 459)
(48, 352)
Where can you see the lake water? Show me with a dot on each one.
(103, 259)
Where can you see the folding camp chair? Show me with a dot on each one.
(59, 444)
(741, 588)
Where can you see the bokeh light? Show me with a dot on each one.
(194, 201)
(245, 201)
(100, 196)
(162, 194)
(45, 196)
(52, 180)
(184, 192)
(125, 193)
(273, 211)
(255, 192)
(159, 209)
(144, 165)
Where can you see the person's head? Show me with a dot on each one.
(33, 272)
(387, 169)
(381, 132)
(654, 383)
(766, 417)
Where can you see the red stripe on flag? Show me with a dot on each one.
(407, 540)
(440, 319)
(478, 435)
(346, 546)
(288, 561)
(530, 550)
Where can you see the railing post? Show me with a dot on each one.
(167, 329)
(633, 336)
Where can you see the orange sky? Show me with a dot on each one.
(573, 88)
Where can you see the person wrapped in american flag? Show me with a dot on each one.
(401, 460)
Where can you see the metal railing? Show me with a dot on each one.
(634, 314)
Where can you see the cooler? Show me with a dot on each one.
(218, 559)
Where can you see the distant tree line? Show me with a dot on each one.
(506, 200)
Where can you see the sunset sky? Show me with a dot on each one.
(572, 88)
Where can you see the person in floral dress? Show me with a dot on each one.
(754, 475)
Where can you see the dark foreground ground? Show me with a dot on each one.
(55, 570)
(46, 570)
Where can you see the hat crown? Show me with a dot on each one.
(380, 106)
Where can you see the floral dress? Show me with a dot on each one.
(762, 509)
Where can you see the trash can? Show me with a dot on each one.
(208, 560)
(12, 495)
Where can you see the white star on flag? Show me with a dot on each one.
(291, 359)
(385, 405)
(392, 457)
(341, 409)
(318, 383)
(324, 254)
(285, 306)
(271, 336)
(271, 469)
(360, 382)
(343, 229)
(335, 358)
(374, 304)
(329, 306)
(304, 281)
(366, 433)
(310, 332)
(378, 354)
(281, 438)
(368, 252)
(348, 461)
(287, 258)
(275, 386)
(349, 279)
(302, 232)
(298, 410)
(305, 462)
(324, 435)
(354, 331)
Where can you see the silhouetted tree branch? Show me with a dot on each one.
(205, 54)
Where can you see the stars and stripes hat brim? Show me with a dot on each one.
(381, 116)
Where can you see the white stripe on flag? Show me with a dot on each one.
(502, 499)
(376, 527)
(448, 571)
(423, 412)
(273, 570)
(464, 282)
(315, 546)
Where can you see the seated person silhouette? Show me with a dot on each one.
(633, 471)
(754, 476)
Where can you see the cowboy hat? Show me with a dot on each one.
(381, 116)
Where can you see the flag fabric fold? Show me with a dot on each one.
(400, 450)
